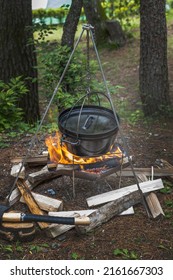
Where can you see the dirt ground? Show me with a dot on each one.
(136, 236)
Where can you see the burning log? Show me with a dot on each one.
(45, 174)
(106, 163)
(70, 170)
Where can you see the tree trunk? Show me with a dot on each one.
(96, 17)
(70, 25)
(153, 72)
(17, 55)
(104, 31)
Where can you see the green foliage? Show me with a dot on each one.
(52, 62)
(126, 254)
(122, 10)
(75, 256)
(10, 113)
(168, 187)
(39, 247)
(10, 250)
(170, 4)
(43, 32)
(43, 14)
(136, 116)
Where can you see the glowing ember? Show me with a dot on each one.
(59, 154)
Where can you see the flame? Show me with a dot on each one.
(58, 153)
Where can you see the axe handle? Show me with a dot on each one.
(21, 217)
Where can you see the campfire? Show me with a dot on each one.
(84, 148)
(59, 154)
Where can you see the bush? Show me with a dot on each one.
(74, 84)
(10, 113)
(43, 14)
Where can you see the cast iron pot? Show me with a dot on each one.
(88, 131)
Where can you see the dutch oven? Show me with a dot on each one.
(88, 131)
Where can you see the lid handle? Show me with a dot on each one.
(88, 122)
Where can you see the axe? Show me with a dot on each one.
(22, 217)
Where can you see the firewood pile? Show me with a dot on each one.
(101, 207)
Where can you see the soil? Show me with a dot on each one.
(141, 236)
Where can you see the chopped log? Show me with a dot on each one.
(46, 203)
(109, 210)
(127, 172)
(154, 205)
(152, 200)
(45, 174)
(15, 195)
(112, 195)
(15, 170)
(30, 201)
(55, 230)
(72, 170)
(32, 161)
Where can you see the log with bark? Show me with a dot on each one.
(118, 193)
(111, 209)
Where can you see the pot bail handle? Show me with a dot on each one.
(77, 143)
(88, 122)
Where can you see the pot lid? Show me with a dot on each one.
(88, 121)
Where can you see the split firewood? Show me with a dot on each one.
(30, 201)
(115, 194)
(44, 174)
(154, 205)
(152, 200)
(127, 172)
(110, 210)
(55, 230)
(72, 170)
(46, 203)
(16, 195)
(15, 170)
(32, 161)
(129, 211)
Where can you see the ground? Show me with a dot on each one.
(136, 236)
